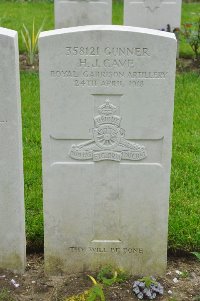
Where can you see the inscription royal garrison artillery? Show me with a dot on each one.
(108, 141)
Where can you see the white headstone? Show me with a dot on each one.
(107, 96)
(155, 14)
(70, 13)
(12, 221)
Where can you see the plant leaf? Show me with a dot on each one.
(92, 279)
(197, 254)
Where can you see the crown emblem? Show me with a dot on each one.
(107, 108)
(107, 116)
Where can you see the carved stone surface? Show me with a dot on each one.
(155, 14)
(12, 221)
(107, 110)
(152, 4)
(70, 13)
(108, 141)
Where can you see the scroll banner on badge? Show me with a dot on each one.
(107, 155)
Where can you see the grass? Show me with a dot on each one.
(5, 295)
(32, 158)
(184, 223)
(117, 13)
(14, 14)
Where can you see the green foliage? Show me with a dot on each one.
(80, 297)
(184, 274)
(109, 276)
(2, 20)
(30, 39)
(197, 254)
(148, 281)
(28, 1)
(191, 33)
(117, 13)
(184, 227)
(190, 13)
(95, 293)
(5, 295)
(20, 12)
(32, 159)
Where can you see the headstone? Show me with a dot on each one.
(107, 97)
(155, 14)
(70, 13)
(12, 221)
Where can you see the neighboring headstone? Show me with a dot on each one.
(155, 14)
(107, 97)
(70, 13)
(12, 220)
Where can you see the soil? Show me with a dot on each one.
(24, 64)
(187, 65)
(183, 64)
(35, 285)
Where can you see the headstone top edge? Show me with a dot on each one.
(116, 28)
(8, 32)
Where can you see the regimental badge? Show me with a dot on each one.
(152, 4)
(108, 141)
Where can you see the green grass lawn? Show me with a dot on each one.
(14, 14)
(184, 221)
(32, 158)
